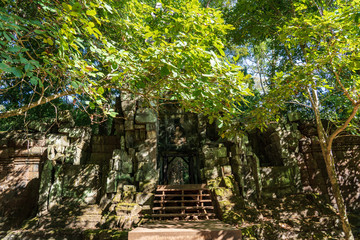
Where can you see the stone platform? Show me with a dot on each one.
(187, 230)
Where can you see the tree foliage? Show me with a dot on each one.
(87, 48)
(321, 74)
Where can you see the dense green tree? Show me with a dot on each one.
(323, 55)
(87, 48)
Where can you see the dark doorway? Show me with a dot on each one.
(178, 169)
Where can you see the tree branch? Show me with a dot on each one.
(301, 104)
(342, 128)
(346, 92)
(41, 101)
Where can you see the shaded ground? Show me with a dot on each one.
(61, 234)
(301, 216)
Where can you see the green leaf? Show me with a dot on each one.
(50, 41)
(14, 49)
(7, 36)
(164, 71)
(17, 72)
(100, 90)
(5, 67)
(38, 31)
(91, 105)
(74, 84)
(91, 12)
(28, 67)
(34, 80)
(67, 7)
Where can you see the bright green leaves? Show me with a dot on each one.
(52, 47)
(66, 7)
(100, 90)
(16, 71)
(92, 47)
(91, 13)
(322, 52)
(178, 53)
(4, 67)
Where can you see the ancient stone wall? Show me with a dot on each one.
(346, 151)
(21, 155)
(70, 177)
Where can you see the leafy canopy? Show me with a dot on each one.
(87, 48)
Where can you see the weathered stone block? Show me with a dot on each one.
(124, 179)
(56, 189)
(129, 139)
(151, 127)
(146, 173)
(151, 134)
(139, 126)
(209, 163)
(122, 142)
(45, 185)
(111, 182)
(117, 197)
(115, 164)
(40, 125)
(121, 155)
(129, 193)
(227, 170)
(126, 167)
(143, 155)
(221, 152)
(57, 140)
(208, 152)
(222, 161)
(148, 187)
(128, 106)
(56, 153)
(129, 125)
(129, 188)
(145, 115)
(142, 134)
(143, 197)
(211, 174)
(80, 132)
(89, 196)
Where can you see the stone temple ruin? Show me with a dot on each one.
(68, 177)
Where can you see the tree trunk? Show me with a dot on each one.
(330, 168)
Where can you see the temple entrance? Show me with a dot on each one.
(179, 168)
(178, 171)
(178, 146)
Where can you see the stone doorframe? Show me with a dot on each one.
(189, 157)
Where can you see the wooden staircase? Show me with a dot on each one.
(183, 202)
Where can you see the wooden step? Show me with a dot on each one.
(185, 187)
(182, 195)
(185, 201)
(182, 201)
(183, 215)
(183, 207)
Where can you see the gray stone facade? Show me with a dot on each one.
(88, 181)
